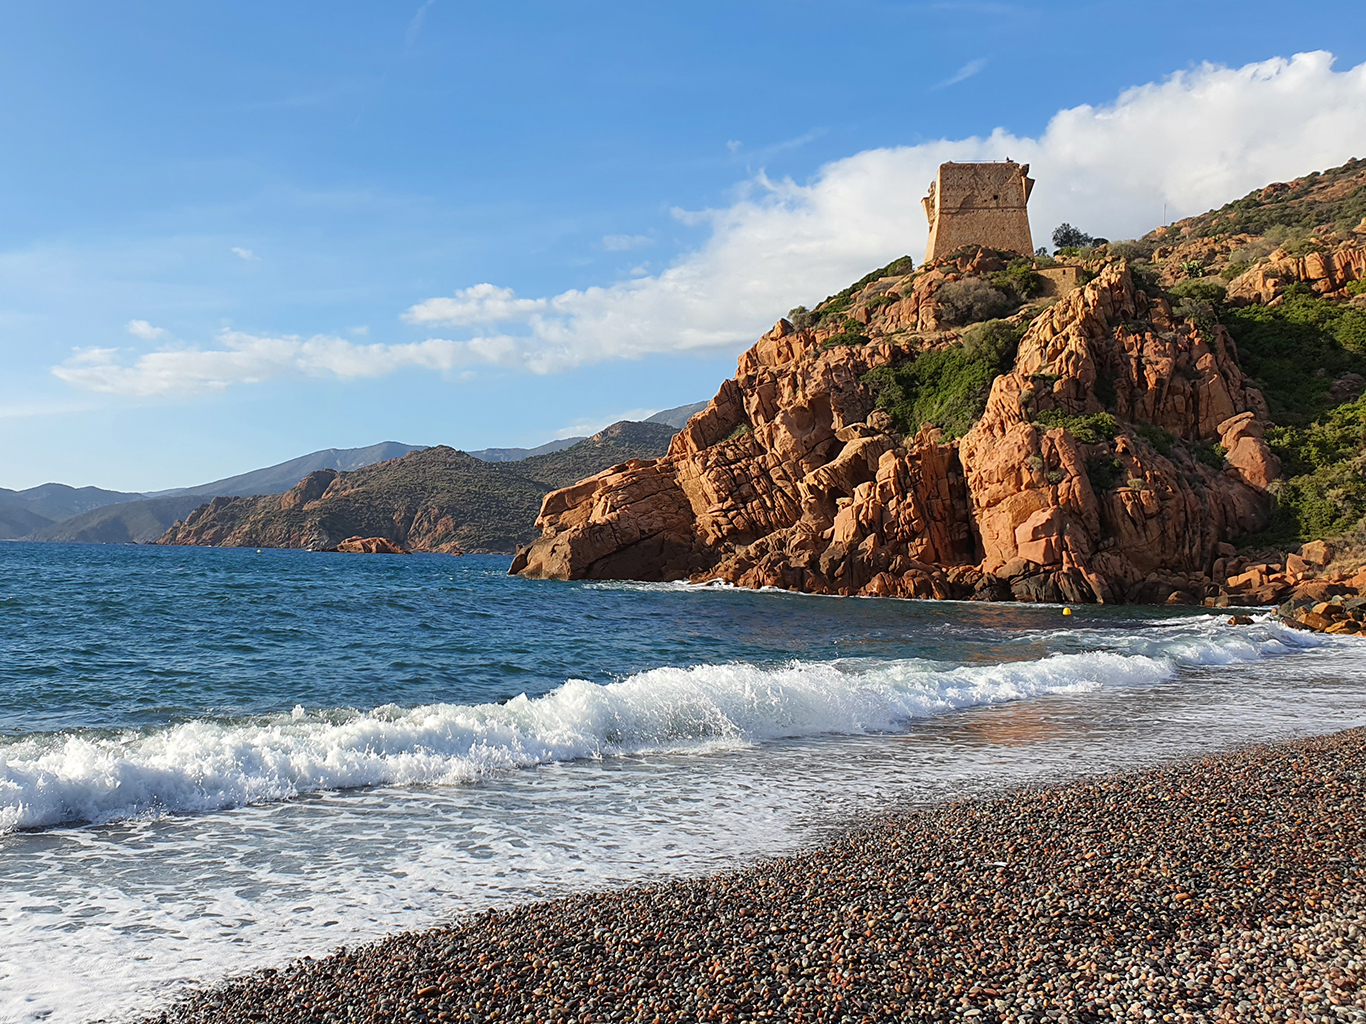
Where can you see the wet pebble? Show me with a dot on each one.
(1232, 888)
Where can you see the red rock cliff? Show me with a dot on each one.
(791, 478)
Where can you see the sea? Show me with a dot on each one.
(219, 760)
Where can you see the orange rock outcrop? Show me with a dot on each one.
(792, 478)
(1328, 273)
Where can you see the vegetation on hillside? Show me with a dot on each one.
(1335, 197)
(947, 387)
(1296, 350)
(432, 499)
(802, 318)
(1324, 490)
(614, 444)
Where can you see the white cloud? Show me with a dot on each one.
(1196, 140)
(969, 69)
(480, 304)
(245, 254)
(250, 359)
(415, 25)
(142, 329)
(621, 243)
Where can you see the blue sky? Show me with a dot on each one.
(234, 233)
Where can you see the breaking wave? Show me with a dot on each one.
(206, 764)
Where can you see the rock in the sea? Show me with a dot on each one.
(371, 546)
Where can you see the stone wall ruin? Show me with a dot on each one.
(979, 204)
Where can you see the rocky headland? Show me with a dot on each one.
(1126, 423)
(432, 499)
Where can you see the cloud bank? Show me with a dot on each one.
(1193, 141)
(251, 359)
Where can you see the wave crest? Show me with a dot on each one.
(207, 764)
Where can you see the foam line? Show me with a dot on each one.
(205, 764)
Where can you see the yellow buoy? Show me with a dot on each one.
(258, 551)
(1067, 611)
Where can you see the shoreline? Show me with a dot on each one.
(1226, 887)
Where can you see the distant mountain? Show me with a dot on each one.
(109, 517)
(280, 478)
(676, 418)
(517, 454)
(132, 522)
(19, 522)
(46, 504)
(617, 443)
(434, 499)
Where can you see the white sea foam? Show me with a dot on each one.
(206, 764)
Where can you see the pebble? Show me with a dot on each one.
(1230, 888)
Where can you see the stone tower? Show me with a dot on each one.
(979, 204)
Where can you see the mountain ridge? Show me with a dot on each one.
(435, 499)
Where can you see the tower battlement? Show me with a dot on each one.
(979, 204)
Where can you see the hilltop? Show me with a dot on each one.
(433, 499)
(1111, 424)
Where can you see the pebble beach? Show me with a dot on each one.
(1232, 888)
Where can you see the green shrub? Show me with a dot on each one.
(971, 300)
(801, 318)
(845, 338)
(1193, 268)
(837, 303)
(948, 388)
(1065, 236)
(1329, 441)
(1302, 247)
(1356, 287)
(1211, 453)
(1204, 289)
(1294, 351)
(1202, 314)
(1104, 472)
(1019, 278)
(1088, 428)
(1133, 250)
(850, 333)
(1233, 269)
(1161, 441)
(1325, 463)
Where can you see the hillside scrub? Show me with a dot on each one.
(1324, 492)
(1292, 210)
(839, 302)
(1294, 351)
(972, 300)
(948, 387)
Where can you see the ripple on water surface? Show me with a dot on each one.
(513, 739)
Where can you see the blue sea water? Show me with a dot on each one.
(217, 759)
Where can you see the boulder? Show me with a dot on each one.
(1316, 553)
(371, 546)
